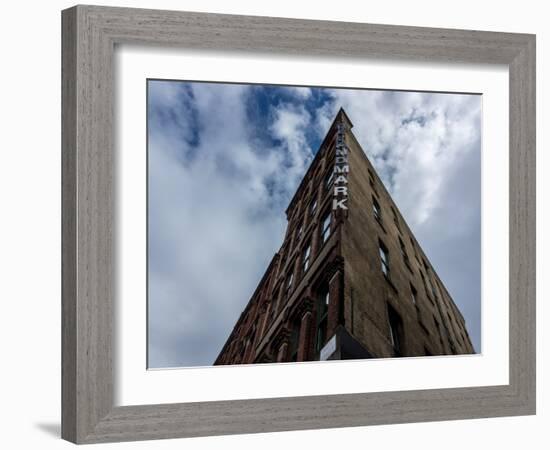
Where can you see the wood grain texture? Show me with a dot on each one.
(89, 36)
(68, 226)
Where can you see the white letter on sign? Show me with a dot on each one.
(339, 204)
(341, 179)
(340, 190)
(341, 169)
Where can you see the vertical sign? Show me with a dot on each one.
(341, 170)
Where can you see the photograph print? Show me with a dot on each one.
(290, 224)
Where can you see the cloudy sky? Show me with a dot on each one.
(224, 161)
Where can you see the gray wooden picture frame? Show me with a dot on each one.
(90, 34)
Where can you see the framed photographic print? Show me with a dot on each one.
(278, 224)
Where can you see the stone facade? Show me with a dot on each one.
(349, 281)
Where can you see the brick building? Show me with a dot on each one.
(349, 281)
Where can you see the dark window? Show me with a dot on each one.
(373, 186)
(384, 259)
(413, 246)
(299, 232)
(241, 352)
(451, 324)
(429, 281)
(376, 210)
(438, 326)
(307, 189)
(273, 308)
(442, 291)
(431, 286)
(424, 328)
(306, 258)
(452, 345)
(424, 283)
(294, 341)
(289, 282)
(396, 219)
(329, 178)
(396, 330)
(284, 254)
(253, 334)
(313, 207)
(414, 294)
(404, 253)
(322, 320)
(291, 215)
(325, 227)
(372, 183)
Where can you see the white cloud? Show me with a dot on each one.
(303, 93)
(289, 125)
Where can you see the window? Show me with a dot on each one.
(322, 320)
(313, 207)
(371, 182)
(396, 219)
(373, 186)
(325, 227)
(424, 328)
(434, 292)
(442, 291)
(329, 178)
(384, 259)
(413, 247)
(273, 308)
(307, 190)
(253, 334)
(294, 341)
(299, 233)
(438, 326)
(306, 258)
(396, 330)
(424, 283)
(440, 333)
(429, 283)
(241, 352)
(291, 214)
(414, 294)
(284, 254)
(376, 210)
(452, 345)
(450, 319)
(289, 282)
(404, 253)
